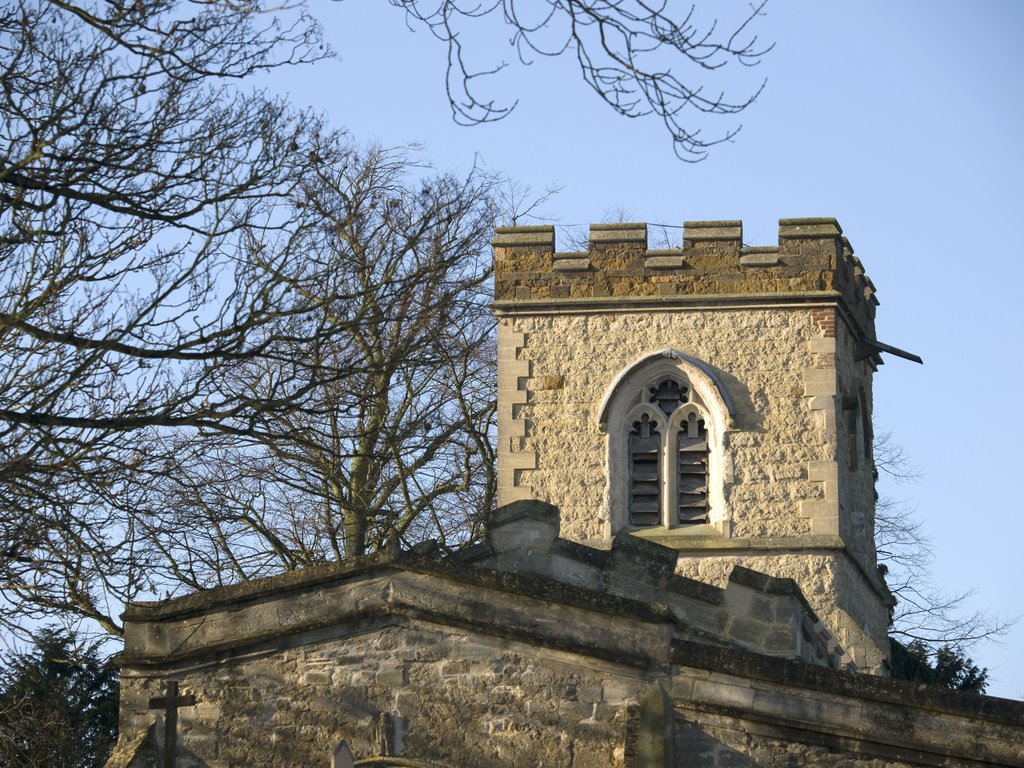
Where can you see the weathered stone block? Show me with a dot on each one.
(747, 631)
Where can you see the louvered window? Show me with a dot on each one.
(692, 471)
(644, 472)
(668, 473)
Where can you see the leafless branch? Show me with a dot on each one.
(923, 612)
(630, 52)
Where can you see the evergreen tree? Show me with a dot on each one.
(950, 668)
(58, 706)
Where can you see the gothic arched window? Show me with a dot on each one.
(668, 456)
(667, 416)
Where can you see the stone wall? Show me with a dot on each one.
(779, 328)
(454, 698)
(733, 709)
(451, 697)
(760, 356)
(832, 583)
(609, 661)
(855, 463)
(466, 700)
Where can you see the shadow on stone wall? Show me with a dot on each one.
(696, 748)
(145, 750)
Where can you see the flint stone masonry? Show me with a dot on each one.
(529, 650)
(776, 326)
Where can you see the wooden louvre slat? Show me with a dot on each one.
(644, 474)
(686, 518)
(692, 478)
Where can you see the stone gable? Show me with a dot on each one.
(530, 650)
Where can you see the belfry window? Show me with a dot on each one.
(668, 457)
(667, 417)
(692, 471)
(644, 472)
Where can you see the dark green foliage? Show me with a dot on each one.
(58, 706)
(947, 667)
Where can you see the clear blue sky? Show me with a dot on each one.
(902, 120)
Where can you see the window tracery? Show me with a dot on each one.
(667, 416)
(668, 456)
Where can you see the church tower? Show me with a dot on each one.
(715, 399)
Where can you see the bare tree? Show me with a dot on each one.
(630, 52)
(924, 614)
(195, 277)
(399, 448)
(133, 176)
(198, 284)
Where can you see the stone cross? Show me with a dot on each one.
(169, 703)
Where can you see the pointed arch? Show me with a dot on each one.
(694, 412)
(701, 375)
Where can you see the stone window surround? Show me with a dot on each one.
(617, 412)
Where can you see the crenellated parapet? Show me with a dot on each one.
(811, 261)
(766, 351)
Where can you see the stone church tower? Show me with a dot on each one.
(715, 399)
(664, 415)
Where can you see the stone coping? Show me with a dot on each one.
(298, 580)
(812, 227)
(762, 582)
(415, 585)
(543, 235)
(532, 509)
(602, 559)
(687, 544)
(747, 664)
(288, 585)
(273, 639)
(691, 545)
(382, 598)
(713, 230)
(613, 235)
(523, 560)
(766, 259)
(821, 226)
(524, 237)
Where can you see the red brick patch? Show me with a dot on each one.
(825, 320)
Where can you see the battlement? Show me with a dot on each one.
(812, 259)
